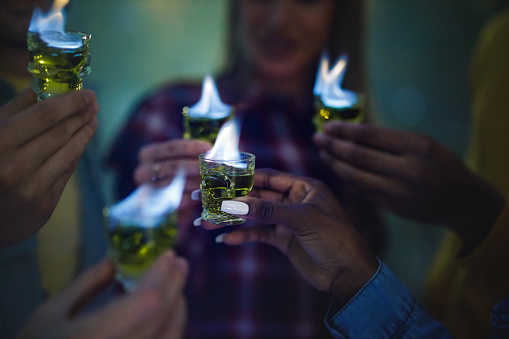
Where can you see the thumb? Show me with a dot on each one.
(84, 288)
(265, 211)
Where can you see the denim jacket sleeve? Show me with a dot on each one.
(383, 308)
(500, 319)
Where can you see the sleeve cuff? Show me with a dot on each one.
(383, 305)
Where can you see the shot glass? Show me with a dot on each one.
(351, 114)
(57, 61)
(135, 248)
(202, 128)
(224, 180)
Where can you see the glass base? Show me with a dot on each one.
(129, 283)
(222, 219)
(47, 88)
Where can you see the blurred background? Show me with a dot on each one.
(418, 54)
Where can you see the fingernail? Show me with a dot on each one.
(197, 222)
(94, 123)
(219, 238)
(169, 256)
(182, 263)
(94, 109)
(235, 207)
(319, 138)
(88, 97)
(195, 195)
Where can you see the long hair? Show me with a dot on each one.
(346, 37)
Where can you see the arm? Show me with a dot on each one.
(384, 307)
(40, 145)
(317, 236)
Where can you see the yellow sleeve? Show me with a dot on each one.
(462, 292)
(487, 268)
(489, 155)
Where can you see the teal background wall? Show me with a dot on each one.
(418, 54)
(137, 45)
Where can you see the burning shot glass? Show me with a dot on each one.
(134, 248)
(57, 61)
(325, 113)
(224, 180)
(142, 227)
(202, 128)
(203, 120)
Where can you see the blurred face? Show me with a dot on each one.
(15, 18)
(281, 38)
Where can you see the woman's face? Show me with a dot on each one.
(282, 38)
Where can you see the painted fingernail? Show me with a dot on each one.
(197, 222)
(195, 195)
(219, 238)
(235, 207)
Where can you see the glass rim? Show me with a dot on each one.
(250, 157)
(201, 118)
(72, 33)
(122, 221)
(359, 104)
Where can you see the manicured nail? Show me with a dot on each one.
(195, 195)
(219, 238)
(235, 207)
(197, 222)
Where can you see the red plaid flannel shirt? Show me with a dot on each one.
(249, 291)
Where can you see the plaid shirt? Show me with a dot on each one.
(248, 291)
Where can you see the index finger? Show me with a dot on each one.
(84, 288)
(377, 137)
(269, 212)
(46, 114)
(178, 148)
(268, 183)
(168, 268)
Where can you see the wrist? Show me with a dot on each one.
(478, 219)
(350, 280)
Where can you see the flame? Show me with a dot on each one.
(54, 21)
(226, 146)
(148, 205)
(328, 84)
(210, 104)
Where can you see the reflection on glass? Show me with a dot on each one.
(224, 180)
(57, 61)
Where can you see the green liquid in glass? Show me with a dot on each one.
(57, 70)
(325, 114)
(200, 128)
(134, 249)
